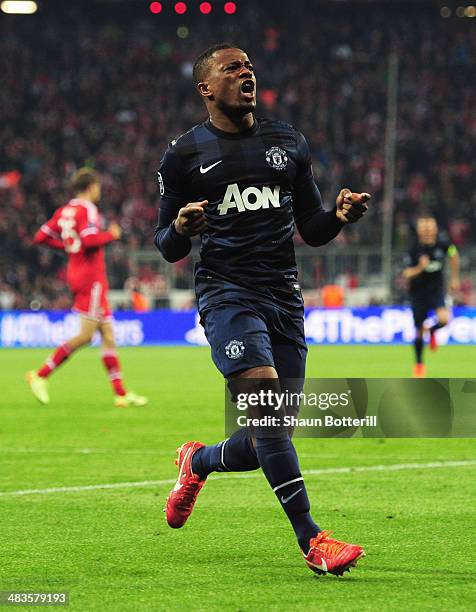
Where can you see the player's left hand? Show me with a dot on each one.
(455, 285)
(351, 206)
(115, 230)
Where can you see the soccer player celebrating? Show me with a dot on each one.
(243, 184)
(74, 228)
(425, 273)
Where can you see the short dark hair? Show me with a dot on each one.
(82, 179)
(201, 64)
(425, 213)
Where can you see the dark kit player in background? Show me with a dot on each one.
(425, 273)
(243, 184)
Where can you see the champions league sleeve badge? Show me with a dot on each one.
(161, 183)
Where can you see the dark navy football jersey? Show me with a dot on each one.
(259, 185)
(431, 280)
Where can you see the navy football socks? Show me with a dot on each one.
(236, 454)
(418, 349)
(277, 457)
(279, 462)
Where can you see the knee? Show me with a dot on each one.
(444, 317)
(254, 380)
(259, 372)
(108, 341)
(85, 339)
(80, 340)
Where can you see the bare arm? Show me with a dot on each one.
(454, 258)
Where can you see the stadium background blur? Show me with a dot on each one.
(82, 484)
(108, 84)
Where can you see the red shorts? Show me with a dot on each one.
(92, 303)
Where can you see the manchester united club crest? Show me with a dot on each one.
(235, 349)
(277, 158)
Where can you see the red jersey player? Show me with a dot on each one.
(74, 228)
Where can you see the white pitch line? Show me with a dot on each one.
(83, 451)
(236, 475)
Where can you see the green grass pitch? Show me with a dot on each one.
(112, 550)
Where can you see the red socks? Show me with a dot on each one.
(111, 363)
(61, 354)
(109, 358)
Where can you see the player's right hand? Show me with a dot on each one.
(351, 206)
(423, 261)
(191, 219)
(115, 230)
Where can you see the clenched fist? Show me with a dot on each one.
(191, 219)
(115, 230)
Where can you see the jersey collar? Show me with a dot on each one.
(79, 201)
(232, 135)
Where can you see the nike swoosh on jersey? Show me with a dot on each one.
(286, 499)
(205, 170)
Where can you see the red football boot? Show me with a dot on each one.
(419, 371)
(433, 341)
(182, 497)
(329, 555)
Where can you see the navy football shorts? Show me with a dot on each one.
(245, 333)
(424, 304)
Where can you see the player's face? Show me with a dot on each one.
(95, 192)
(231, 81)
(427, 230)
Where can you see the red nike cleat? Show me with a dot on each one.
(182, 497)
(433, 341)
(329, 555)
(419, 371)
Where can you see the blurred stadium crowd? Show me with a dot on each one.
(113, 95)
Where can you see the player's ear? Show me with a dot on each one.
(204, 89)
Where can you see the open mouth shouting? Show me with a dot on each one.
(247, 88)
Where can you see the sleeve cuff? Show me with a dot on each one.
(176, 236)
(338, 222)
(173, 231)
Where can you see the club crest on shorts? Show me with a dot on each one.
(235, 349)
(277, 158)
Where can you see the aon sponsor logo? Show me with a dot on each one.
(434, 266)
(251, 198)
